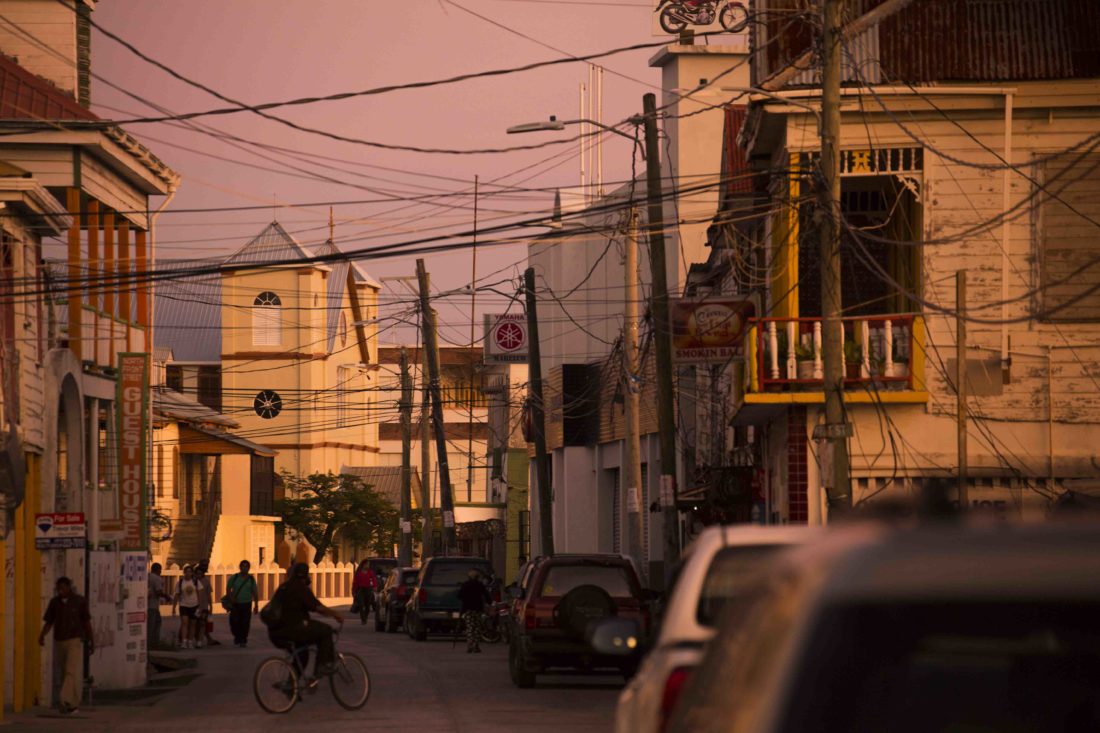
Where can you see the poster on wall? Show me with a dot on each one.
(132, 418)
(116, 595)
(672, 17)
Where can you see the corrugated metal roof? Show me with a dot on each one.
(735, 166)
(176, 406)
(273, 244)
(188, 313)
(386, 480)
(943, 40)
(992, 40)
(27, 96)
(337, 286)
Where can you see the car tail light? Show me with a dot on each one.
(529, 619)
(496, 595)
(402, 591)
(674, 687)
(422, 596)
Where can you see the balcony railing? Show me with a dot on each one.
(883, 352)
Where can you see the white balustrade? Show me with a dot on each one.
(888, 348)
(819, 367)
(792, 363)
(865, 344)
(773, 350)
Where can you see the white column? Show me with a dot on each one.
(773, 350)
(792, 363)
(819, 369)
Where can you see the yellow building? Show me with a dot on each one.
(266, 338)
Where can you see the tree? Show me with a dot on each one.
(322, 504)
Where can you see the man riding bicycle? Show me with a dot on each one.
(294, 626)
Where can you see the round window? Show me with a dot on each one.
(268, 404)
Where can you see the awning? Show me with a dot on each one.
(200, 441)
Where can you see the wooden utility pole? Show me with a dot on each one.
(960, 386)
(431, 346)
(538, 417)
(662, 328)
(473, 367)
(425, 463)
(838, 485)
(632, 468)
(404, 550)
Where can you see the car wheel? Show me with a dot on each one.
(409, 625)
(419, 631)
(517, 669)
(391, 625)
(378, 619)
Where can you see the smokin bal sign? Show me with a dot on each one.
(710, 330)
(133, 409)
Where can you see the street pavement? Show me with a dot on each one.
(427, 686)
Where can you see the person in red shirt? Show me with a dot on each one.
(363, 588)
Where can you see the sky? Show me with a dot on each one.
(266, 50)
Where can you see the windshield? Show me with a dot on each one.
(409, 577)
(560, 579)
(455, 573)
(732, 572)
(922, 666)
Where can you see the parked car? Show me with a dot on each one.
(565, 595)
(434, 607)
(937, 629)
(393, 597)
(514, 597)
(715, 568)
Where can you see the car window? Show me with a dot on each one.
(410, 578)
(560, 579)
(909, 667)
(453, 573)
(731, 573)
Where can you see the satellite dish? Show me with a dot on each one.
(13, 470)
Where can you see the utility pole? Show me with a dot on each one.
(960, 386)
(666, 415)
(836, 430)
(425, 462)
(632, 470)
(431, 346)
(473, 367)
(538, 416)
(404, 550)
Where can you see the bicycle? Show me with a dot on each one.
(281, 682)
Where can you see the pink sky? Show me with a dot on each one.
(263, 50)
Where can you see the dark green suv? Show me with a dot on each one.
(434, 607)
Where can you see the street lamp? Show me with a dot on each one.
(555, 124)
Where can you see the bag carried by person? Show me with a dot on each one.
(272, 613)
(229, 599)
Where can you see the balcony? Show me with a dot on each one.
(883, 360)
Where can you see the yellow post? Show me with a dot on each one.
(75, 276)
(28, 584)
(917, 357)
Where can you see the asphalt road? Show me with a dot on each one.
(421, 686)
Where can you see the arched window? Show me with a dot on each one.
(267, 319)
(343, 329)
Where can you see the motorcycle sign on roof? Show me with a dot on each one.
(671, 17)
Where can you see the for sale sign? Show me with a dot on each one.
(506, 338)
(132, 419)
(59, 531)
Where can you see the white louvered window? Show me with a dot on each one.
(267, 319)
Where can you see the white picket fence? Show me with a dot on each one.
(331, 582)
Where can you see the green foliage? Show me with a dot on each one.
(323, 504)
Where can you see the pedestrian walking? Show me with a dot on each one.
(206, 606)
(155, 595)
(187, 598)
(68, 617)
(363, 588)
(474, 596)
(242, 597)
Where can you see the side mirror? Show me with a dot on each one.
(615, 636)
(515, 592)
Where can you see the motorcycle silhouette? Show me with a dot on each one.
(676, 15)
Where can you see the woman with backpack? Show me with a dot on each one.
(187, 598)
(241, 599)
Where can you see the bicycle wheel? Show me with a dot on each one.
(350, 682)
(275, 685)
